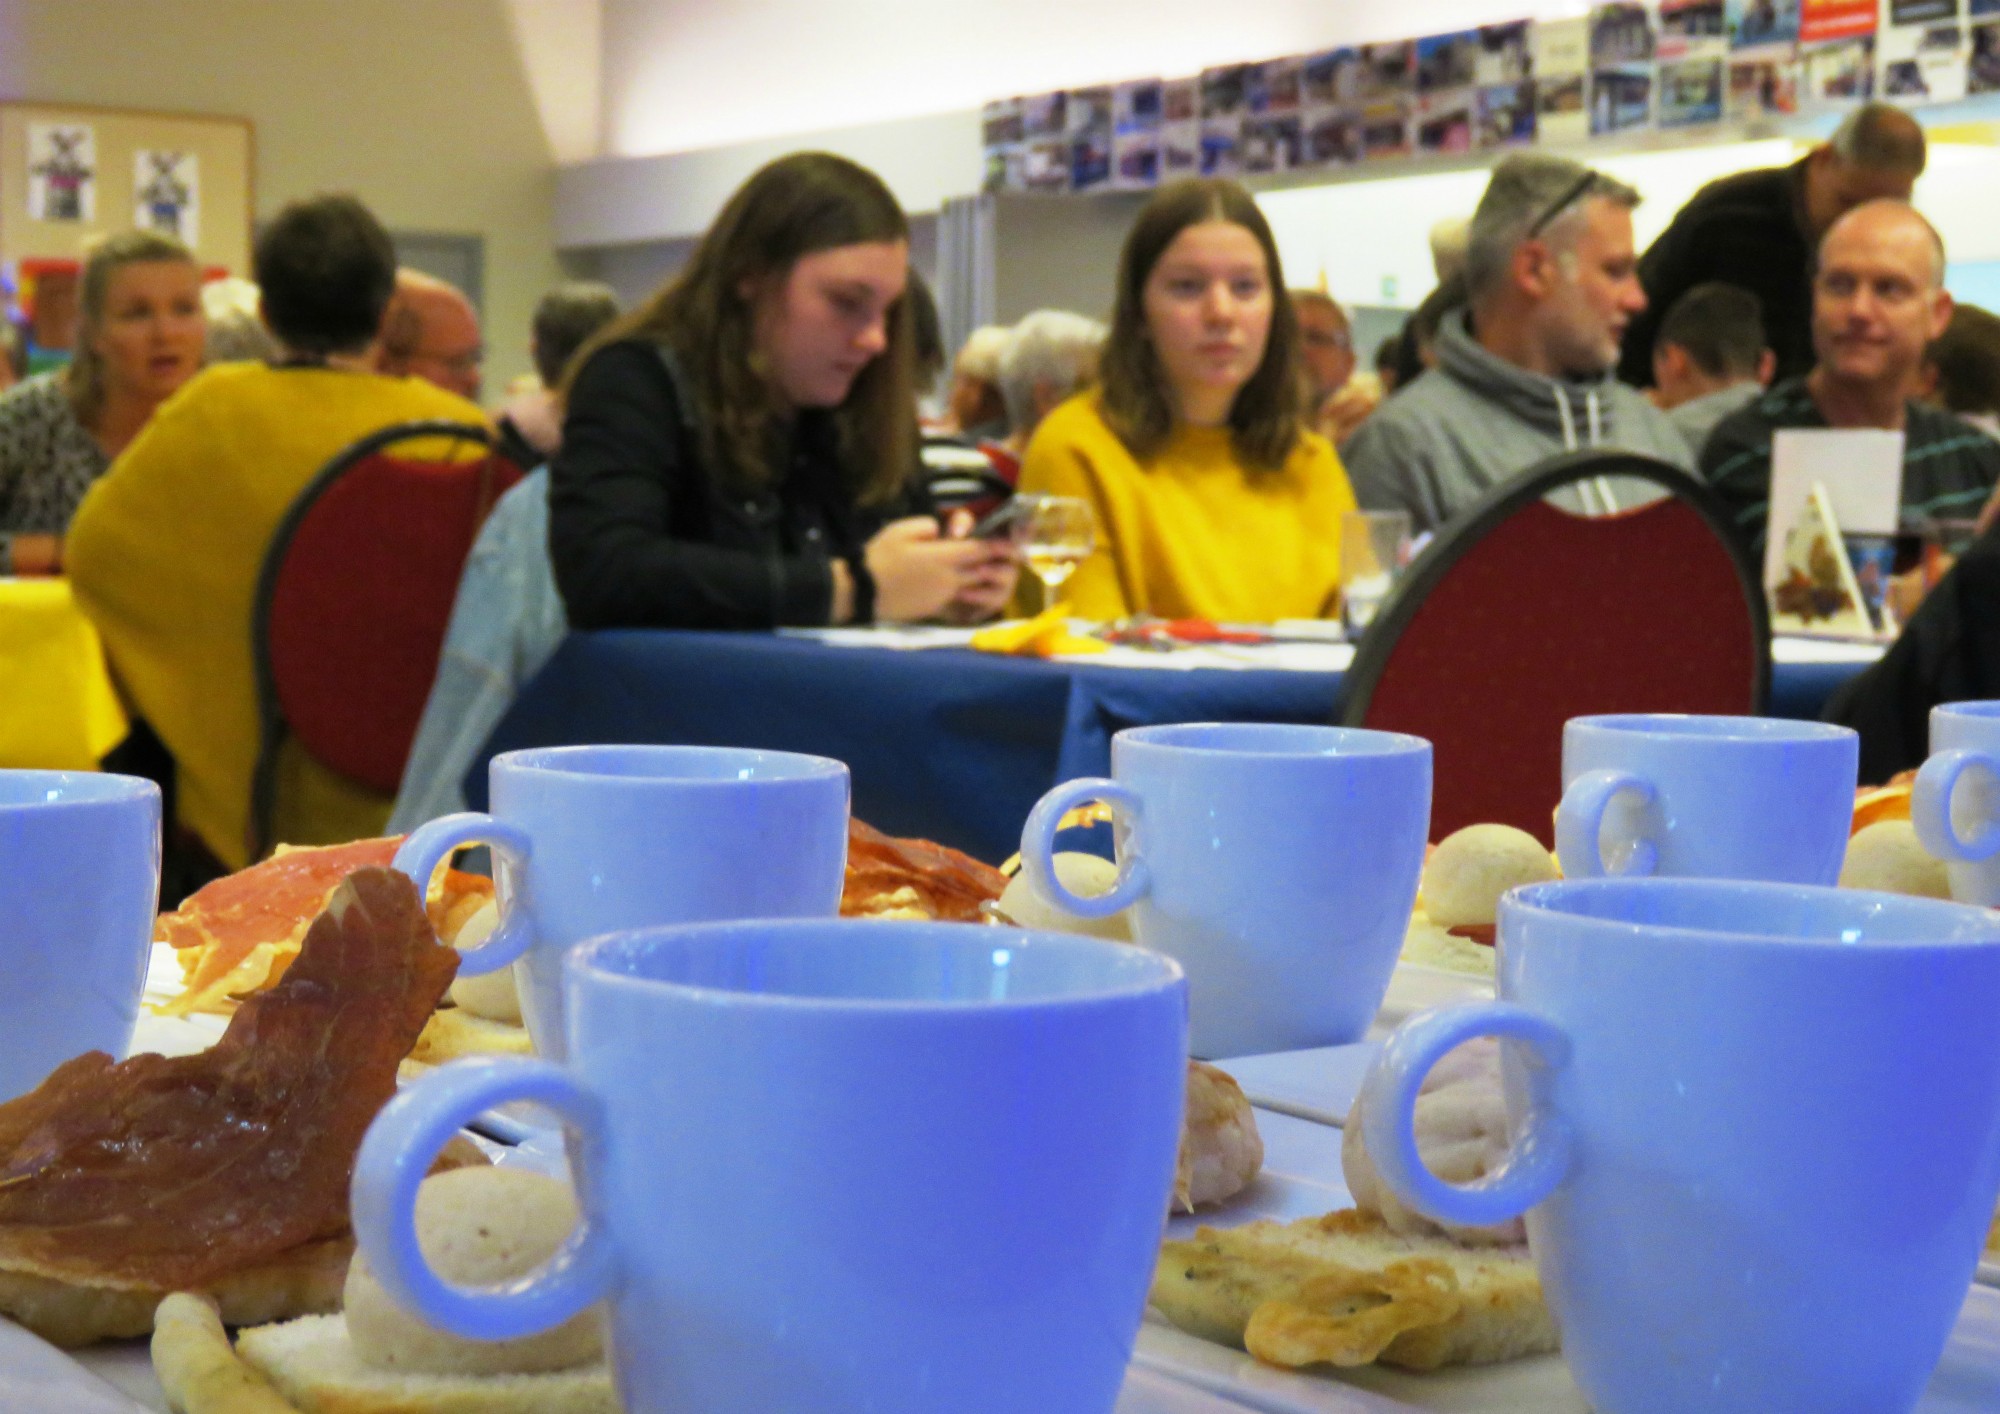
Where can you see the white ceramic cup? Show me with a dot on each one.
(1706, 797)
(835, 1166)
(1756, 1134)
(79, 885)
(1955, 803)
(593, 839)
(1277, 864)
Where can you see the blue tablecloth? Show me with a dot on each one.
(946, 744)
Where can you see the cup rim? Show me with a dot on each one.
(571, 763)
(1152, 972)
(1978, 710)
(1542, 899)
(1337, 742)
(77, 789)
(1720, 727)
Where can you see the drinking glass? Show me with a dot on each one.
(1055, 535)
(1374, 548)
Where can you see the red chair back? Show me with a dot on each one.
(356, 591)
(1523, 615)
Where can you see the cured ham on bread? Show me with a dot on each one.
(913, 879)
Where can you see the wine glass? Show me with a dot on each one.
(1055, 534)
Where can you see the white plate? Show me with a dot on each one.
(37, 1378)
(1414, 988)
(1318, 1085)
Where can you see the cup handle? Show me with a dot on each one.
(1930, 808)
(430, 844)
(1038, 844)
(1543, 1145)
(1580, 825)
(396, 1156)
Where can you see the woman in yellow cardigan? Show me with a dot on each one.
(1212, 498)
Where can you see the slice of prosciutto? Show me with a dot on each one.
(173, 1172)
(950, 885)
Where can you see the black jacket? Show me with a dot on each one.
(644, 535)
(1949, 651)
(1747, 230)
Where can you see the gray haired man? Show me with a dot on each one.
(1524, 372)
(1048, 357)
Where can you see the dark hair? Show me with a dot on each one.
(1967, 358)
(565, 318)
(793, 207)
(1880, 137)
(325, 269)
(1420, 330)
(1721, 326)
(1264, 420)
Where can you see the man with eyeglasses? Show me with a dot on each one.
(1337, 402)
(432, 332)
(1878, 302)
(1523, 373)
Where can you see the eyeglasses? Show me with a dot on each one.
(1556, 208)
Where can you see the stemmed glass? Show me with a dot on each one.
(1055, 534)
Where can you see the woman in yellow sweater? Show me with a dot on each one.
(1212, 499)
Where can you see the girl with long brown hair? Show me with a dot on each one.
(738, 452)
(1212, 498)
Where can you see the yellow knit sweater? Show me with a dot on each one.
(1189, 533)
(164, 555)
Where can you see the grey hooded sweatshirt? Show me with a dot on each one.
(1476, 420)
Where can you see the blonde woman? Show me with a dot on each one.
(139, 337)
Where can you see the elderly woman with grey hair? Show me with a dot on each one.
(1050, 356)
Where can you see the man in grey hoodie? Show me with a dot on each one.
(1525, 372)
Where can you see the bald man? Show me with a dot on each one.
(1878, 301)
(1757, 230)
(431, 331)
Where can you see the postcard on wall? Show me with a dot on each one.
(1506, 114)
(1447, 61)
(1506, 53)
(1562, 67)
(1385, 128)
(1180, 128)
(1087, 117)
(1274, 143)
(166, 193)
(1982, 70)
(1387, 70)
(1135, 128)
(1921, 59)
(1000, 142)
(1763, 24)
(62, 172)
(1762, 88)
(1224, 101)
(1691, 29)
(1690, 92)
(1274, 88)
(1824, 20)
(1331, 78)
(1445, 122)
(1332, 136)
(1836, 73)
(1620, 99)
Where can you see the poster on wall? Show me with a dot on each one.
(1505, 73)
(1762, 88)
(166, 193)
(1224, 99)
(1691, 29)
(1000, 141)
(1447, 65)
(1690, 92)
(1180, 128)
(1562, 68)
(1920, 52)
(1045, 154)
(1621, 68)
(1330, 119)
(1823, 20)
(1271, 134)
(1763, 24)
(1087, 116)
(62, 172)
(1982, 74)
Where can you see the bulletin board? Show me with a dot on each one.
(70, 172)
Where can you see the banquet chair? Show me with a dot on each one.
(353, 599)
(1521, 615)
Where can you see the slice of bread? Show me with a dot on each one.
(1344, 1289)
(314, 1365)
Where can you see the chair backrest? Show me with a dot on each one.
(1521, 615)
(354, 596)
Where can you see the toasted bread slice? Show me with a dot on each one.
(1344, 1289)
(314, 1365)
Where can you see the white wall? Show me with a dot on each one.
(683, 74)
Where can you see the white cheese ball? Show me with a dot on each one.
(1469, 871)
(1084, 875)
(477, 1227)
(1888, 856)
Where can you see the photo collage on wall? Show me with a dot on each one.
(1619, 69)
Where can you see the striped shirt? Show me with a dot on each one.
(1949, 466)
